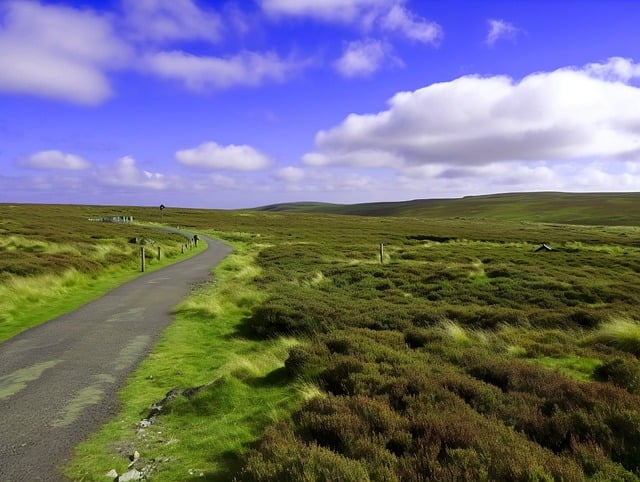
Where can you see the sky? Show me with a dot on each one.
(245, 103)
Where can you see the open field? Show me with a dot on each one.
(465, 355)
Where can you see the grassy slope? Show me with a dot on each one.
(592, 209)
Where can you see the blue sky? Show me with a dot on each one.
(232, 104)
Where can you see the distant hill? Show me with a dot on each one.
(611, 209)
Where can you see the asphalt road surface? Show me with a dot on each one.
(58, 381)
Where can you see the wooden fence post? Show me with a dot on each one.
(158, 253)
(381, 253)
(142, 258)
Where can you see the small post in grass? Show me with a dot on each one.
(142, 258)
(381, 253)
(158, 253)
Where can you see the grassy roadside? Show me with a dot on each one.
(237, 384)
(50, 295)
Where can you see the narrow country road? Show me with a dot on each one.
(58, 381)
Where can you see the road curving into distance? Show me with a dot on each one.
(58, 381)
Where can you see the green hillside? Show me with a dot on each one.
(552, 207)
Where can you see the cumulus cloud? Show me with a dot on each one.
(363, 58)
(404, 22)
(167, 20)
(204, 73)
(126, 173)
(58, 52)
(53, 159)
(498, 30)
(567, 114)
(211, 155)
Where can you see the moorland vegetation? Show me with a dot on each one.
(463, 355)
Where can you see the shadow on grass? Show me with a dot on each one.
(230, 464)
(278, 377)
(194, 313)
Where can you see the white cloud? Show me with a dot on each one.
(58, 52)
(568, 114)
(211, 155)
(368, 158)
(126, 173)
(498, 30)
(328, 10)
(166, 20)
(402, 21)
(388, 15)
(616, 69)
(53, 159)
(290, 174)
(363, 58)
(204, 73)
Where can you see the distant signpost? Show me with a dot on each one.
(161, 213)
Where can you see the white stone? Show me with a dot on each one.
(131, 475)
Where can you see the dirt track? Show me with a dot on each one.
(58, 381)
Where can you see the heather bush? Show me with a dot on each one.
(281, 457)
(624, 373)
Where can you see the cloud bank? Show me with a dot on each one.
(591, 113)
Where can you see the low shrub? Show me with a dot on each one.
(281, 457)
(338, 379)
(419, 337)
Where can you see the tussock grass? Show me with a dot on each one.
(516, 351)
(622, 333)
(21, 243)
(456, 333)
(309, 390)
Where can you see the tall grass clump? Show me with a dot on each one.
(622, 333)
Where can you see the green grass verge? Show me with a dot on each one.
(240, 388)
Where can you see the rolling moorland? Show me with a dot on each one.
(463, 355)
